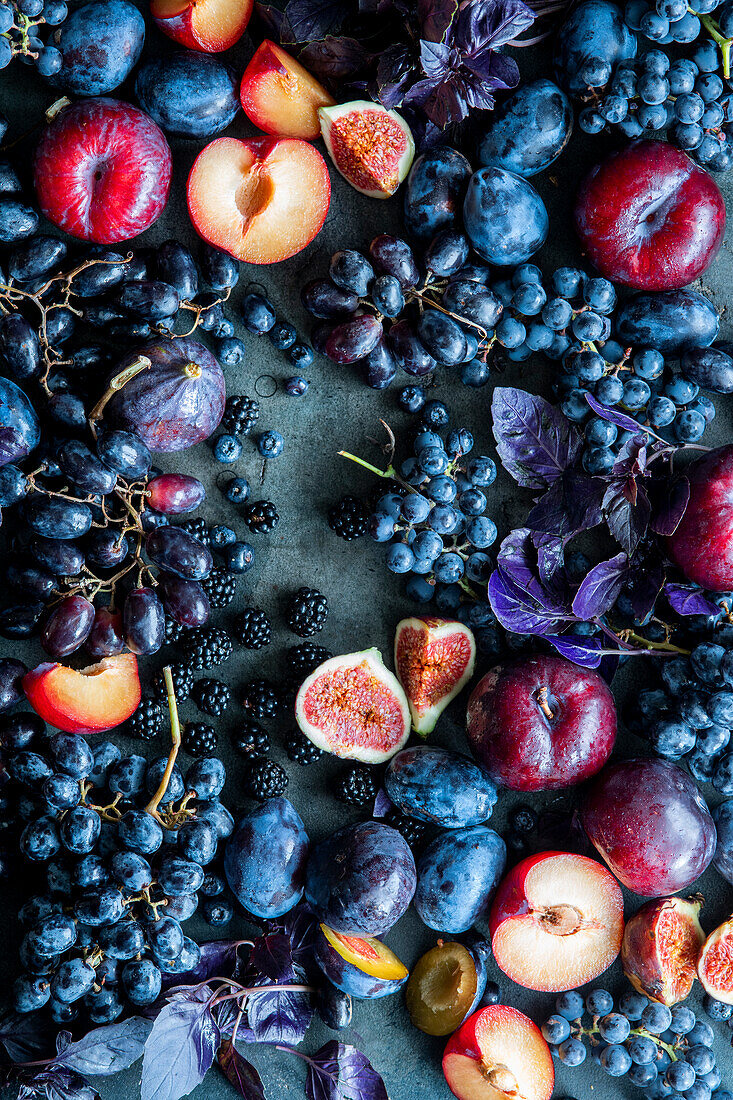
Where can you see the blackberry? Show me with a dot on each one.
(301, 750)
(357, 786)
(147, 721)
(198, 528)
(261, 516)
(198, 738)
(348, 518)
(264, 779)
(220, 586)
(307, 612)
(252, 628)
(175, 632)
(182, 682)
(252, 739)
(301, 660)
(413, 831)
(211, 696)
(207, 647)
(240, 414)
(261, 699)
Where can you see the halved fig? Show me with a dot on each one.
(354, 707)
(434, 659)
(715, 963)
(371, 147)
(660, 948)
(445, 986)
(364, 967)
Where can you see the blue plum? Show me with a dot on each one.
(671, 321)
(20, 432)
(529, 131)
(457, 876)
(723, 858)
(100, 44)
(361, 879)
(434, 192)
(711, 368)
(264, 859)
(188, 93)
(504, 217)
(440, 787)
(590, 42)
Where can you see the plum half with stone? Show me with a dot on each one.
(434, 659)
(498, 1052)
(371, 147)
(445, 986)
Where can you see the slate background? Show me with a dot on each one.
(366, 601)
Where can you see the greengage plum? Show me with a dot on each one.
(529, 130)
(440, 787)
(264, 859)
(361, 879)
(672, 321)
(590, 42)
(100, 44)
(434, 192)
(650, 824)
(189, 94)
(445, 986)
(456, 878)
(504, 217)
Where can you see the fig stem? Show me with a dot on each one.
(152, 806)
(121, 379)
(544, 705)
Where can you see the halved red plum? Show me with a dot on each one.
(445, 986)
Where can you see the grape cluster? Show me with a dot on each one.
(21, 22)
(127, 854)
(687, 97)
(665, 1051)
(667, 21)
(690, 715)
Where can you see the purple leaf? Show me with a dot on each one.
(518, 561)
(179, 1051)
(582, 651)
(600, 589)
(25, 1036)
(240, 1073)
(644, 585)
(517, 611)
(341, 1072)
(301, 926)
(572, 504)
(632, 458)
(394, 73)
(435, 18)
(335, 58)
(382, 804)
(627, 519)
(669, 511)
(312, 20)
(273, 23)
(499, 70)
(107, 1050)
(272, 956)
(280, 1016)
(484, 24)
(686, 600)
(535, 441)
(218, 957)
(57, 1082)
(550, 558)
(621, 420)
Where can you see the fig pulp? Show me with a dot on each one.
(660, 948)
(715, 963)
(445, 986)
(354, 707)
(434, 659)
(371, 147)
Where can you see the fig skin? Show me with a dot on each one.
(670, 981)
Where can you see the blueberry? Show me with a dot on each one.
(295, 386)
(270, 444)
(300, 355)
(227, 449)
(237, 490)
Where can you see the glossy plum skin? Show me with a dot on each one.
(361, 879)
(434, 192)
(504, 217)
(264, 859)
(650, 824)
(529, 130)
(456, 878)
(440, 787)
(723, 817)
(189, 94)
(672, 321)
(702, 545)
(522, 747)
(649, 217)
(100, 44)
(594, 32)
(20, 432)
(348, 977)
(102, 171)
(711, 368)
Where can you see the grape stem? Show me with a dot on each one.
(724, 43)
(152, 806)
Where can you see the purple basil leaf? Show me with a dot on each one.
(518, 561)
(312, 20)
(572, 504)
(670, 509)
(550, 558)
(179, 1051)
(494, 69)
(107, 1050)
(519, 612)
(535, 441)
(600, 589)
(632, 457)
(301, 926)
(627, 519)
(280, 1016)
(240, 1073)
(582, 651)
(63, 1040)
(57, 1082)
(644, 585)
(382, 804)
(272, 956)
(686, 600)
(621, 420)
(435, 17)
(273, 23)
(24, 1036)
(218, 958)
(490, 23)
(335, 58)
(341, 1072)
(394, 73)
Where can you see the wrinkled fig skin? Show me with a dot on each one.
(529, 130)
(594, 31)
(526, 749)
(189, 94)
(672, 321)
(440, 787)
(434, 192)
(702, 544)
(711, 368)
(361, 879)
(264, 859)
(650, 824)
(457, 876)
(504, 217)
(175, 404)
(654, 967)
(348, 977)
(100, 44)
(723, 817)
(20, 432)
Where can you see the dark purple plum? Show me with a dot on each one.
(184, 601)
(590, 42)
(178, 552)
(68, 626)
(265, 858)
(20, 432)
(56, 518)
(672, 321)
(352, 340)
(88, 473)
(349, 977)
(100, 44)
(456, 878)
(504, 217)
(20, 349)
(434, 192)
(393, 256)
(529, 130)
(125, 453)
(143, 621)
(440, 787)
(178, 402)
(408, 351)
(190, 94)
(711, 368)
(361, 879)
